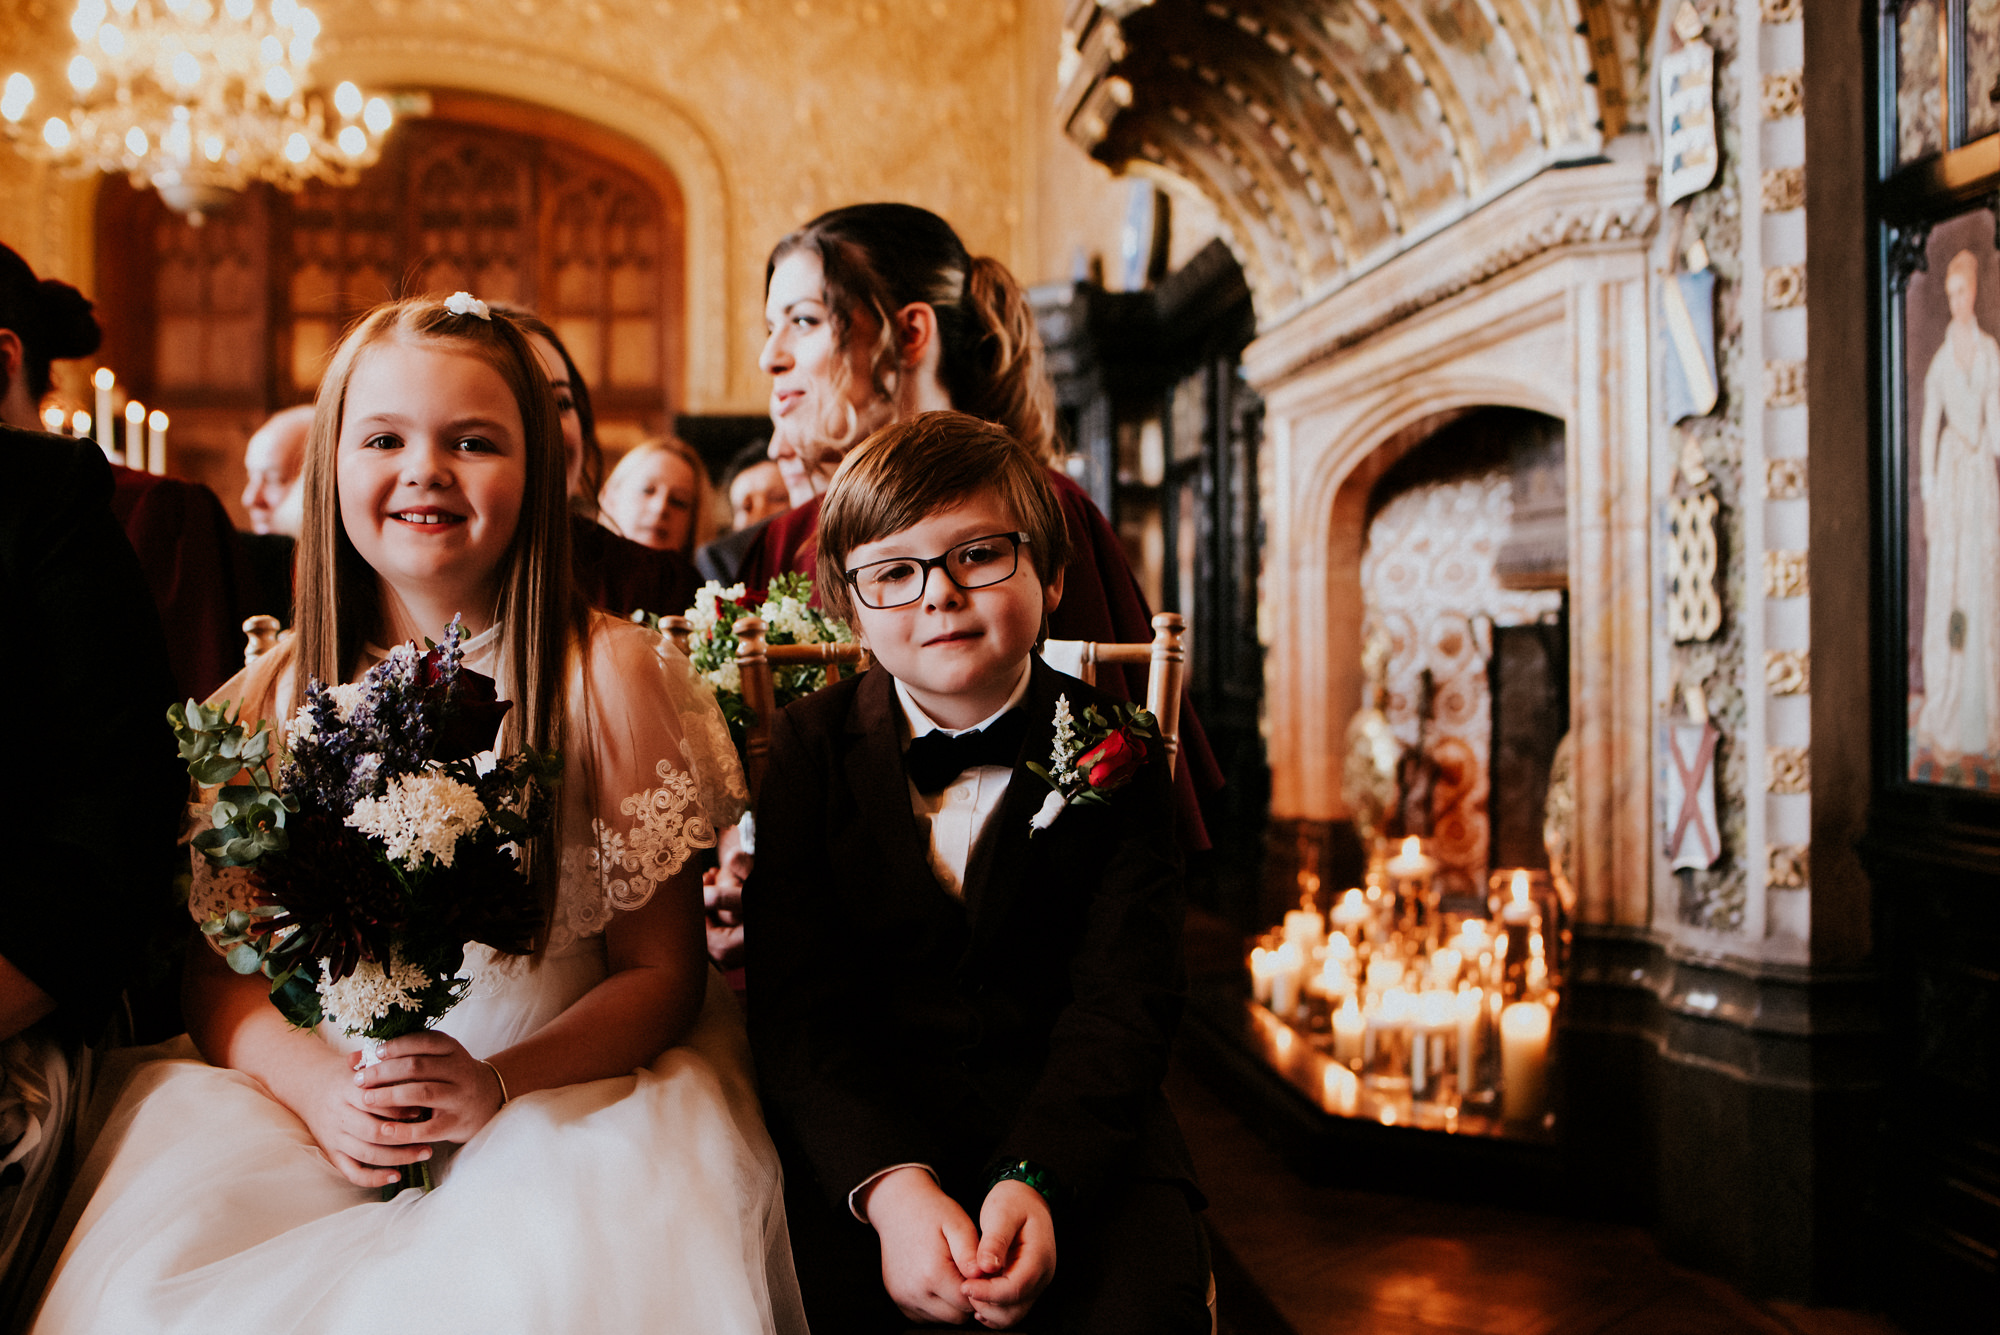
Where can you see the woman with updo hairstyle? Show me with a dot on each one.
(42, 320)
(876, 312)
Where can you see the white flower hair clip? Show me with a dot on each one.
(464, 303)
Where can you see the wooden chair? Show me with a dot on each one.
(260, 635)
(757, 660)
(1166, 660)
(1165, 655)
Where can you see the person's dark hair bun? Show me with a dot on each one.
(69, 326)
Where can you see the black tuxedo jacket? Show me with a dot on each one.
(893, 1023)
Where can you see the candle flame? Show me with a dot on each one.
(103, 379)
(135, 412)
(1413, 847)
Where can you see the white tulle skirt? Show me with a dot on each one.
(649, 1202)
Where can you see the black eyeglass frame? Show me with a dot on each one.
(927, 564)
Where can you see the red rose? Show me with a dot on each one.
(1112, 762)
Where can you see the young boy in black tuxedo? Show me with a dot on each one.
(961, 1023)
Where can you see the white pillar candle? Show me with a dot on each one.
(1340, 1089)
(107, 425)
(1444, 967)
(1285, 980)
(1524, 1061)
(1349, 1031)
(156, 443)
(1263, 968)
(1351, 914)
(1305, 928)
(135, 435)
(1468, 1005)
(79, 424)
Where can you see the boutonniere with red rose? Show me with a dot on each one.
(1092, 758)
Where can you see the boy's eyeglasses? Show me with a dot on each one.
(973, 564)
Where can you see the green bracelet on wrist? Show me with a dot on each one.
(1030, 1173)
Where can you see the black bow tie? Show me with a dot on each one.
(936, 758)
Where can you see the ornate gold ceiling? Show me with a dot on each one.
(1332, 134)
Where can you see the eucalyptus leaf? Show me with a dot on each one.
(242, 958)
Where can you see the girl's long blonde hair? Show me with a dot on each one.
(338, 593)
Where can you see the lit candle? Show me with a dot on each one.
(1285, 980)
(135, 435)
(1520, 907)
(53, 419)
(1524, 1061)
(1472, 941)
(106, 424)
(1340, 1089)
(1305, 928)
(1444, 967)
(1384, 974)
(1263, 968)
(156, 443)
(1336, 972)
(1469, 1003)
(1349, 1029)
(1351, 914)
(79, 424)
(1437, 1017)
(1411, 864)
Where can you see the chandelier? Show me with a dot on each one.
(199, 98)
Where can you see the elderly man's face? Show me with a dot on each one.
(273, 459)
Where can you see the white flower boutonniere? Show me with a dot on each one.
(1105, 758)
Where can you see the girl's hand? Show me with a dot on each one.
(434, 1071)
(365, 1147)
(927, 1246)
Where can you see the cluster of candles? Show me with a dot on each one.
(1428, 1012)
(145, 433)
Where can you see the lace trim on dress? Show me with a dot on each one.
(622, 869)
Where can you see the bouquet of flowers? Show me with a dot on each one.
(1102, 759)
(392, 838)
(789, 618)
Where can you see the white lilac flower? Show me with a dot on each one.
(1062, 757)
(420, 815)
(347, 697)
(789, 616)
(370, 993)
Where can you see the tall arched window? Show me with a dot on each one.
(224, 323)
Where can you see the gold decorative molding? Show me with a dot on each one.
(1785, 479)
(1784, 11)
(1785, 575)
(1784, 287)
(1784, 189)
(1331, 137)
(1784, 384)
(1790, 769)
(1788, 671)
(1787, 866)
(1784, 94)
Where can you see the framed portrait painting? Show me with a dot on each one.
(1951, 481)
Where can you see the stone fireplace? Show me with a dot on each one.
(1537, 302)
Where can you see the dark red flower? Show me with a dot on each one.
(472, 714)
(1112, 762)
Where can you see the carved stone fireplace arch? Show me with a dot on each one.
(1537, 302)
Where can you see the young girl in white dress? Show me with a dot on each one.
(601, 1162)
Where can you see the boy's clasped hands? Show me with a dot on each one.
(938, 1266)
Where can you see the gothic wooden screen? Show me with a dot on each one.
(222, 324)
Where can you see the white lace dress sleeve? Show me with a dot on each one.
(649, 776)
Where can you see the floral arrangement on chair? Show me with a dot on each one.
(392, 839)
(787, 612)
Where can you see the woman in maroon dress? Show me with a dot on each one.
(876, 312)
